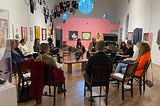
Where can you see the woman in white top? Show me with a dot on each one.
(23, 47)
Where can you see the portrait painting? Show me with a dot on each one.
(31, 33)
(3, 32)
(44, 34)
(15, 32)
(24, 33)
(73, 35)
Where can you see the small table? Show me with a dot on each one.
(70, 62)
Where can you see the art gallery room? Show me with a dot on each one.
(79, 52)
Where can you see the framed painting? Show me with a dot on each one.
(24, 33)
(31, 33)
(86, 35)
(37, 32)
(73, 35)
(3, 32)
(44, 34)
(15, 32)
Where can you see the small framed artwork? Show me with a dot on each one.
(3, 32)
(86, 35)
(37, 32)
(15, 32)
(73, 35)
(24, 33)
(31, 33)
(44, 34)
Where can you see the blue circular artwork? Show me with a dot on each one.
(85, 6)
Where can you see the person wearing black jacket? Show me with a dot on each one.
(99, 59)
(54, 50)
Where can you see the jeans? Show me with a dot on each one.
(121, 67)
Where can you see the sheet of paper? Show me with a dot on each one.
(59, 65)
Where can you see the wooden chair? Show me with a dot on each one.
(42, 75)
(66, 53)
(24, 81)
(99, 77)
(126, 77)
(141, 79)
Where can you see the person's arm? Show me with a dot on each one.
(17, 58)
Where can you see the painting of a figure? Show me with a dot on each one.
(3, 32)
(73, 35)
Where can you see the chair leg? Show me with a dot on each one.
(84, 89)
(91, 95)
(107, 87)
(122, 90)
(140, 85)
(54, 98)
(144, 82)
(49, 89)
(131, 87)
(100, 89)
(64, 86)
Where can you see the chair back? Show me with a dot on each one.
(100, 75)
(130, 71)
(146, 66)
(20, 73)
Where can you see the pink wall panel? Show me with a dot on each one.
(92, 25)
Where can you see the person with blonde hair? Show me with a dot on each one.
(91, 47)
(25, 63)
(48, 59)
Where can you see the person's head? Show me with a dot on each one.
(36, 41)
(17, 42)
(138, 44)
(12, 43)
(23, 41)
(78, 40)
(93, 39)
(129, 43)
(143, 48)
(123, 44)
(44, 48)
(50, 40)
(100, 45)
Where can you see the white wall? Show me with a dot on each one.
(19, 15)
(143, 14)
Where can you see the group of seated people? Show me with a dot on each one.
(26, 62)
(141, 55)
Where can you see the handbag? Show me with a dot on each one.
(23, 94)
(149, 83)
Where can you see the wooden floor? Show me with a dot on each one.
(74, 94)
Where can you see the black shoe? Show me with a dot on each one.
(91, 100)
(61, 90)
(59, 61)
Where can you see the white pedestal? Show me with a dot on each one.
(8, 96)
